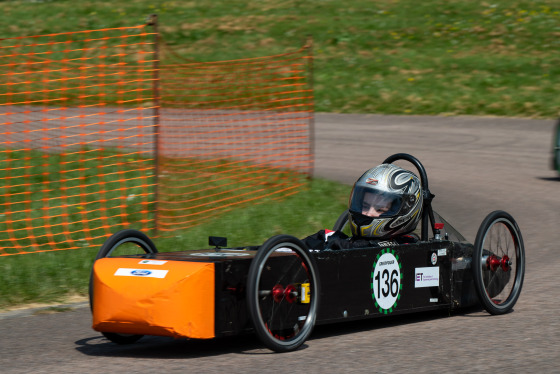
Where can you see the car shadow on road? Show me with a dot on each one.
(248, 344)
(550, 179)
(344, 328)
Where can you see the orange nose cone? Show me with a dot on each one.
(166, 298)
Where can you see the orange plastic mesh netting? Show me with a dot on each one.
(232, 132)
(76, 137)
(97, 134)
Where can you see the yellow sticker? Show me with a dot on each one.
(305, 293)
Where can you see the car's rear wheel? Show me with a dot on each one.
(124, 242)
(498, 262)
(283, 293)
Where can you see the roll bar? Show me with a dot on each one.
(427, 211)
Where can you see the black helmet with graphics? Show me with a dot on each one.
(386, 201)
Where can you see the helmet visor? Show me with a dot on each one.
(375, 203)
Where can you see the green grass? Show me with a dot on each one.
(62, 200)
(393, 56)
(73, 194)
(196, 190)
(55, 276)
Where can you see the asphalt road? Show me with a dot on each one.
(475, 165)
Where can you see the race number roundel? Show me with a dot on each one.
(386, 281)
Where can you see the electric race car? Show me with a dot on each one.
(281, 289)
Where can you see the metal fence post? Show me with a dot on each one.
(153, 21)
(309, 46)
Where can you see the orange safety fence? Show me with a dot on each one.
(76, 137)
(232, 132)
(98, 134)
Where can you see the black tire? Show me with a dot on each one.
(498, 262)
(283, 320)
(129, 241)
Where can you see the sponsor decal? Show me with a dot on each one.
(442, 252)
(426, 277)
(152, 262)
(372, 181)
(219, 254)
(386, 281)
(434, 259)
(387, 243)
(141, 272)
(144, 273)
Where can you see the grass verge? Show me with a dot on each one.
(395, 56)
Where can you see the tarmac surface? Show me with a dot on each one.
(475, 165)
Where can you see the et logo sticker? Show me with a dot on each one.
(386, 281)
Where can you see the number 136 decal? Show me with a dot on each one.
(386, 281)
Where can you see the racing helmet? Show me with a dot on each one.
(386, 201)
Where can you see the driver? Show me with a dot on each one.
(385, 205)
